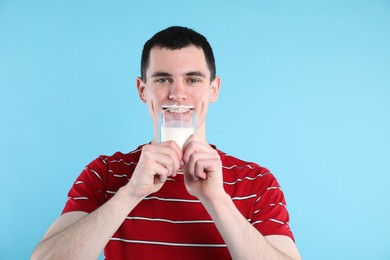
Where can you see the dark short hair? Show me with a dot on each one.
(177, 37)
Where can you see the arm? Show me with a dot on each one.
(242, 239)
(79, 235)
(203, 170)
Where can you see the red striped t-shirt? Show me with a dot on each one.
(172, 224)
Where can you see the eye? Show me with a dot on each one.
(193, 80)
(163, 80)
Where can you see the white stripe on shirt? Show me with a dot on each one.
(236, 166)
(171, 221)
(166, 243)
(93, 171)
(246, 178)
(166, 199)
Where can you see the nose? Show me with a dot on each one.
(177, 92)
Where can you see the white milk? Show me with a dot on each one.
(177, 134)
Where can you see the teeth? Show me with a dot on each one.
(177, 109)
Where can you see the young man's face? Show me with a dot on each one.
(179, 77)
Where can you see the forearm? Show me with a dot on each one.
(86, 238)
(241, 238)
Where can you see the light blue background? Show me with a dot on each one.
(305, 92)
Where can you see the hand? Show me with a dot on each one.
(202, 169)
(156, 163)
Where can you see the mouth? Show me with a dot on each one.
(177, 109)
(178, 114)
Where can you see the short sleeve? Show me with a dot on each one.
(88, 191)
(270, 215)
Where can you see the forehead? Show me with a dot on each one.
(182, 60)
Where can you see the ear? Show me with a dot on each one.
(141, 89)
(214, 90)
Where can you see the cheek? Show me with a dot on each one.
(200, 94)
(156, 94)
(156, 98)
(203, 100)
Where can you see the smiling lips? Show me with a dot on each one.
(178, 113)
(177, 108)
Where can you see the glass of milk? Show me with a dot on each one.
(177, 123)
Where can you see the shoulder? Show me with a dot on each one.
(244, 179)
(120, 157)
(230, 162)
(119, 161)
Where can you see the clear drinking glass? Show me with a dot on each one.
(177, 123)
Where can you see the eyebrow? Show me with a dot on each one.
(161, 74)
(166, 74)
(196, 73)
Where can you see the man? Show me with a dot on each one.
(138, 205)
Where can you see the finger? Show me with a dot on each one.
(161, 174)
(147, 175)
(177, 156)
(192, 138)
(195, 147)
(173, 145)
(167, 162)
(197, 164)
(204, 167)
(166, 155)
